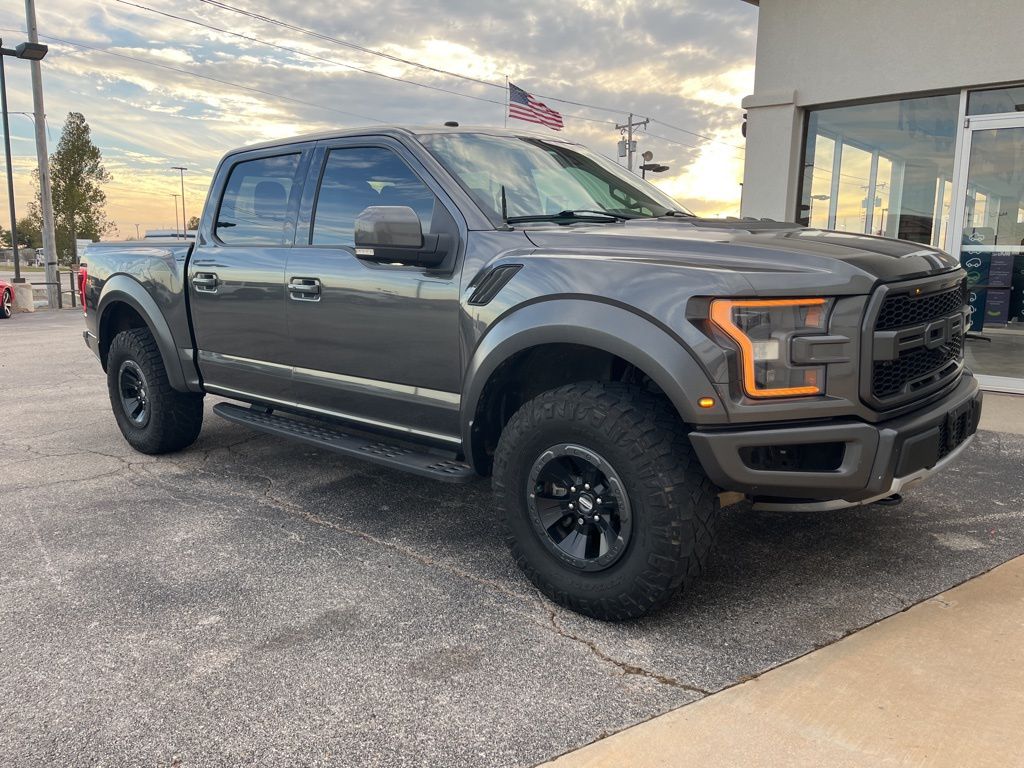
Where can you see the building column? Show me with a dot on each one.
(773, 156)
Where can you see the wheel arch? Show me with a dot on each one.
(577, 330)
(123, 304)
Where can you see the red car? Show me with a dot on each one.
(6, 300)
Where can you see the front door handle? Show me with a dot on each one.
(205, 282)
(304, 289)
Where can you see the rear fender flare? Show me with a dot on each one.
(124, 289)
(608, 327)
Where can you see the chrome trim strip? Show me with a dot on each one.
(898, 484)
(250, 397)
(407, 391)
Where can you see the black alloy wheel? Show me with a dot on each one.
(134, 393)
(579, 508)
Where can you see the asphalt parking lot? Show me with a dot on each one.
(250, 601)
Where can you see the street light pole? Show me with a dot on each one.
(32, 51)
(184, 222)
(10, 170)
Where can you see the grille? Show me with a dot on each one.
(888, 378)
(917, 368)
(904, 309)
(953, 432)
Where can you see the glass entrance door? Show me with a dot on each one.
(991, 227)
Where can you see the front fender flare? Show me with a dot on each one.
(591, 323)
(122, 288)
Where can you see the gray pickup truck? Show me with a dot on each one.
(456, 302)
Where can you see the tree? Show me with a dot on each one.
(76, 175)
(193, 222)
(29, 233)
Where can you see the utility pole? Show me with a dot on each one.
(175, 213)
(43, 159)
(628, 128)
(184, 221)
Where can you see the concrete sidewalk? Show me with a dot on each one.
(941, 684)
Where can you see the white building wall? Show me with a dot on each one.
(812, 52)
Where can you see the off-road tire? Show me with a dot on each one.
(175, 418)
(673, 504)
(5, 305)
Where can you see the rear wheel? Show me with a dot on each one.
(153, 416)
(606, 508)
(6, 305)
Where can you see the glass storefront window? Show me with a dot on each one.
(882, 168)
(992, 247)
(996, 101)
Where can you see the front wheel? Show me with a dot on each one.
(6, 302)
(153, 416)
(607, 509)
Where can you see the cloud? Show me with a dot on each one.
(185, 95)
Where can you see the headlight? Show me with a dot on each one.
(763, 329)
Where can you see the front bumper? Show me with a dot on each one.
(877, 459)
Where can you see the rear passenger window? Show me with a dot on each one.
(254, 208)
(356, 178)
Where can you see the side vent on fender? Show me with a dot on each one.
(492, 283)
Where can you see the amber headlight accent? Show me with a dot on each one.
(762, 329)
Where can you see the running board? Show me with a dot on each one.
(325, 436)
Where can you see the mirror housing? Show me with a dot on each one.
(393, 233)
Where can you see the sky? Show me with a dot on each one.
(159, 91)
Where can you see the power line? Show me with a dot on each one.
(374, 52)
(698, 135)
(317, 57)
(346, 43)
(300, 52)
(168, 67)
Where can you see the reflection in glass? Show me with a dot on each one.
(543, 177)
(992, 249)
(881, 168)
(356, 178)
(996, 101)
(254, 207)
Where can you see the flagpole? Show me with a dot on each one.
(506, 101)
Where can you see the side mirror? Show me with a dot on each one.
(392, 233)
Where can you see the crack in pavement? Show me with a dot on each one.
(270, 498)
(552, 624)
(625, 666)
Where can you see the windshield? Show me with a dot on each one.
(543, 178)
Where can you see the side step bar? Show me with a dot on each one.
(323, 435)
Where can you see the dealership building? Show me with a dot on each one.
(901, 119)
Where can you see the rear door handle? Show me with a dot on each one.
(205, 282)
(304, 289)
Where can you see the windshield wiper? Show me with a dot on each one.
(580, 214)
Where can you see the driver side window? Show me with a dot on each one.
(358, 177)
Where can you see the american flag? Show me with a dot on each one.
(523, 106)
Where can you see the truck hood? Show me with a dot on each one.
(749, 247)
